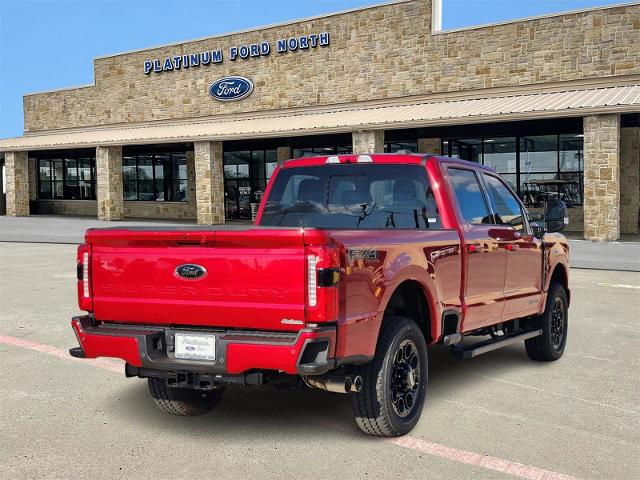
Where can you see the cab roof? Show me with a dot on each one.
(397, 158)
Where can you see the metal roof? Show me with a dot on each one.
(574, 102)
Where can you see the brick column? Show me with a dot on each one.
(109, 182)
(368, 141)
(602, 177)
(629, 179)
(16, 166)
(282, 154)
(430, 145)
(209, 183)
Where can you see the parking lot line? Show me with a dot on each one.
(103, 363)
(508, 467)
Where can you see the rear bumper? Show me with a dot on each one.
(307, 352)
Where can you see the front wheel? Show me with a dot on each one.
(394, 382)
(553, 322)
(183, 401)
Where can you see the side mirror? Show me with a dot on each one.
(556, 215)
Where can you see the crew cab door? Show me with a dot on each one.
(485, 260)
(523, 278)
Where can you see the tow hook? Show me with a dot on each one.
(335, 383)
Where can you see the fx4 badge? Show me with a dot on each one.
(363, 254)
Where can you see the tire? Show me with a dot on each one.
(183, 401)
(393, 394)
(549, 346)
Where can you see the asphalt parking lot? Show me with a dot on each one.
(497, 416)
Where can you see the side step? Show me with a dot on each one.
(479, 348)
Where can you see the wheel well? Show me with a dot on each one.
(409, 300)
(560, 275)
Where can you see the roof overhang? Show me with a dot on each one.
(437, 111)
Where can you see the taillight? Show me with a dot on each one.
(83, 271)
(323, 276)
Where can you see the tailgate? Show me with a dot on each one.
(254, 278)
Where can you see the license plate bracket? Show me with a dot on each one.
(195, 346)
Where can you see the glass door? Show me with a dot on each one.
(246, 173)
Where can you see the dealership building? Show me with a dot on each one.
(194, 130)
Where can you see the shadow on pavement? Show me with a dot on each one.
(245, 413)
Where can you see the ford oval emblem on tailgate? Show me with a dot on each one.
(228, 89)
(191, 271)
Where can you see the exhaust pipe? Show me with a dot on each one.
(335, 384)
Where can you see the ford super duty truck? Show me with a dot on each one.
(355, 264)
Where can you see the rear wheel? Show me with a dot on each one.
(554, 322)
(183, 401)
(394, 382)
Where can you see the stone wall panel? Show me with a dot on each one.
(380, 52)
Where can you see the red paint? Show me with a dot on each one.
(245, 356)
(257, 278)
(95, 346)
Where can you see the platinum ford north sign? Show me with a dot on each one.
(244, 52)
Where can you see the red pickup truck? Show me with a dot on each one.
(355, 264)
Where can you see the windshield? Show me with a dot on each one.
(352, 196)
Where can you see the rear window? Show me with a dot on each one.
(353, 196)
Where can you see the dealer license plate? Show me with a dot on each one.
(192, 346)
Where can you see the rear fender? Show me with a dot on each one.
(414, 274)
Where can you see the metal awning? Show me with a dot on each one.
(574, 102)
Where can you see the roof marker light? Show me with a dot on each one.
(333, 159)
(364, 159)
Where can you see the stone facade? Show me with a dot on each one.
(17, 183)
(629, 179)
(430, 145)
(368, 141)
(375, 53)
(602, 177)
(84, 208)
(209, 183)
(172, 210)
(109, 183)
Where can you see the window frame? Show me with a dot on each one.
(526, 230)
(63, 159)
(483, 193)
(158, 185)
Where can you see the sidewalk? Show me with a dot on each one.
(623, 255)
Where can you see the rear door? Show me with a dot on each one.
(485, 260)
(523, 279)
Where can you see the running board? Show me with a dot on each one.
(479, 348)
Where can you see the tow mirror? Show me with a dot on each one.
(556, 215)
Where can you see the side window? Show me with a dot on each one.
(507, 209)
(467, 189)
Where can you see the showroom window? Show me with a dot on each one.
(246, 174)
(330, 150)
(66, 177)
(407, 146)
(538, 167)
(160, 177)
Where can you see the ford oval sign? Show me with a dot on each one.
(190, 271)
(228, 89)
